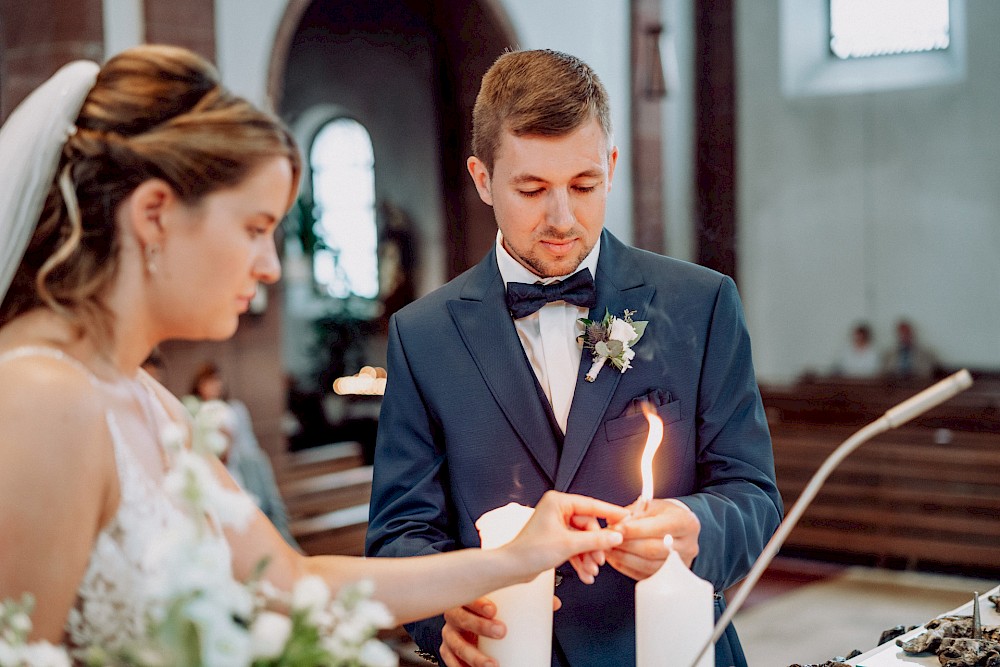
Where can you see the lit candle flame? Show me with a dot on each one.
(653, 440)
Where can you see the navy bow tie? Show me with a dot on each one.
(524, 299)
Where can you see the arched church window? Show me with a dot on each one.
(345, 257)
(868, 28)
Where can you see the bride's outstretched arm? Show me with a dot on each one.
(424, 586)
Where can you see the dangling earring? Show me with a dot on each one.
(151, 252)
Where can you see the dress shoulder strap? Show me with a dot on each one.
(51, 353)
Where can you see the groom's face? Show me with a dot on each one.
(549, 195)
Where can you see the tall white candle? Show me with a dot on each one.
(673, 617)
(526, 609)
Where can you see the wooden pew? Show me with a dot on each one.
(906, 496)
(340, 531)
(319, 460)
(924, 493)
(310, 496)
(857, 402)
(326, 491)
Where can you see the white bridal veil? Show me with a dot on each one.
(31, 142)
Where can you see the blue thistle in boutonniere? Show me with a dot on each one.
(611, 340)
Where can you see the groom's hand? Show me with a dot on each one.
(462, 628)
(464, 625)
(642, 552)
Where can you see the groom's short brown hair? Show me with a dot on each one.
(541, 92)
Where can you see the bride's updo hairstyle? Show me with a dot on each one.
(154, 112)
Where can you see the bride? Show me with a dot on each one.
(139, 204)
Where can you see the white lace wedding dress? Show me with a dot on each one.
(112, 601)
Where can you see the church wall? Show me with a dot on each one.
(870, 206)
(245, 33)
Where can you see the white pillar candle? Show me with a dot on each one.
(673, 617)
(526, 609)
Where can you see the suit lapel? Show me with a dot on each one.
(619, 286)
(488, 332)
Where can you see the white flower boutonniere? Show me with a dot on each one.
(611, 340)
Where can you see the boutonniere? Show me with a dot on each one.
(611, 340)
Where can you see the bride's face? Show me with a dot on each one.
(216, 253)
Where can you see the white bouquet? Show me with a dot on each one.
(15, 650)
(200, 615)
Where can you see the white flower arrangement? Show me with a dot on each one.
(191, 482)
(611, 340)
(213, 423)
(201, 616)
(15, 649)
(207, 621)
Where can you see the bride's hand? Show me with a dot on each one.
(564, 527)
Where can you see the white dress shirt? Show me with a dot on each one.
(550, 336)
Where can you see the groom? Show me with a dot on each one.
(487, 401)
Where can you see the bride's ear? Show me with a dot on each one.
(146, 208)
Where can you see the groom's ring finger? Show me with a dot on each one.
(450, 659)
(467, 654)
(649, 548)
(464, 620)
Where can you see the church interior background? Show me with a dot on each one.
(833, 190)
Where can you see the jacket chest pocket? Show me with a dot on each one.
(673, 463)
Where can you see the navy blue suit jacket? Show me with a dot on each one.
(463, 430)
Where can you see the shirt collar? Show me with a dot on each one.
(512, 271)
